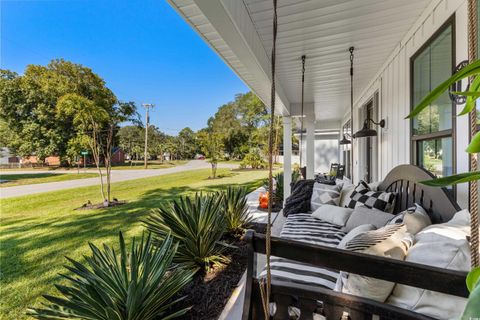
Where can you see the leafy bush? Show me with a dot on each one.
(131, 285)
(253, 159)
(236, 209)
(197, 225)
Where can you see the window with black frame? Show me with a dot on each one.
(432, 129)
(346, 152)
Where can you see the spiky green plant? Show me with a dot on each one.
(236, 209)
(197, 224)
(131, 285)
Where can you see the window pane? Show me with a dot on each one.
(436, 156)
(430, 68)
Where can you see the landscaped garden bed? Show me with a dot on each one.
(208, 293)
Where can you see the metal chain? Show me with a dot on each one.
(265, 288)
(473, 186)
(352, 49)
(302, 115)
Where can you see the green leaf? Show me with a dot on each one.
(474, 146)
(451, 180)
(471, 98)
(472, 309)
(467, 94)
(470, 70)
(473, 278)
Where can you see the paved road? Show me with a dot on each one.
(117, 175)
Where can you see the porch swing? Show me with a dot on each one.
(270, 298)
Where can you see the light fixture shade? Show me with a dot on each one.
(366, 132)
(344, 141)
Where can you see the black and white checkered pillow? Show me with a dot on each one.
(363, 195)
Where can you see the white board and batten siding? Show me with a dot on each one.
(393, 84)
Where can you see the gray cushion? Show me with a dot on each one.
(363, 215)
(333, 214)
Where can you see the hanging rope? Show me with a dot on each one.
(302, 115)
(473, 186)
(265, 286)
(351, 109)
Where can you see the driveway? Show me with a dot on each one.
(117, 176)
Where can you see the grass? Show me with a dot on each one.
(151, 165)
(37, 231)
(34, 178)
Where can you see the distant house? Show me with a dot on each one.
(118, 156)
(7, 158)
(51, 161)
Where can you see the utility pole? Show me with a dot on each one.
(147, 106)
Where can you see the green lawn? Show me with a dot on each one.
(151, 165)
(37, 231)
(33, 178)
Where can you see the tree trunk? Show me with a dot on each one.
(95, 146)
(214, 170)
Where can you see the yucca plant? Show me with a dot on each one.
(236, 209)
(136, 284)
(197, 224)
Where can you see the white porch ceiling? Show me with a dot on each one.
(240, 31)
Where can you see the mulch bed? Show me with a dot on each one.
(209, 293)
(90, 206)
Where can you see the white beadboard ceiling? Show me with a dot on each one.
(323, 30)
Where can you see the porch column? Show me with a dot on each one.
(287, 156)
(310, 147)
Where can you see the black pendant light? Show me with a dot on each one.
(366, 131)
(345, 141)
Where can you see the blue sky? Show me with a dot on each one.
(142, 48)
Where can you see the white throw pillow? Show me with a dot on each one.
(333, 214)
(324, 194)
(440, 245)
(415, 218)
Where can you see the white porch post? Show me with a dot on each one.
(310, 147)
(287, 156)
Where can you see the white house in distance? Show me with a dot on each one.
(402, 49)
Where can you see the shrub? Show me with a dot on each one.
(253, 159)
(128, 285)
(197, 225)
(236, 209)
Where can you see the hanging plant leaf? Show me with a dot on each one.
(472, 96)
(474, 146)
(468, 71)
(473, 278)
(451, 180)
(472, 310)
(467, 93)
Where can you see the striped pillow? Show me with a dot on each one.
(391, 241)
(324, 194)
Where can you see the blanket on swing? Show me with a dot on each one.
(303, 227)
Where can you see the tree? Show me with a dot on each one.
(28, 105)
(212, 145)
(188, 145)
(89, 119)
(95, 126)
